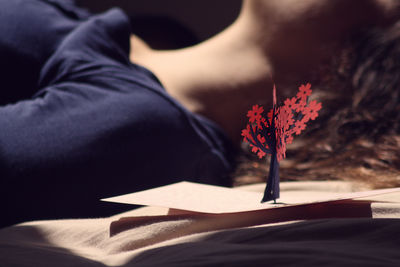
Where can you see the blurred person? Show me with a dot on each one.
(89, 111)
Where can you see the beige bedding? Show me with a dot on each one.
(188, 241)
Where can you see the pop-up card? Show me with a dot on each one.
(209, 208)
(202, 198)
(213, 207)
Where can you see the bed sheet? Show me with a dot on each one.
(174, 242)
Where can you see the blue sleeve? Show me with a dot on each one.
(100, 126)
(30, 31)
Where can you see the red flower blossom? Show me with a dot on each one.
(261, 154)
(304, 91)
(301, 105)
(291, 103)
(246, 134)
(299, 126)
(313, 108)
(258, 151)
(289, 139)
(290, 131)
(281, 152)
(261, 122)
(255, 114)
(285, 116)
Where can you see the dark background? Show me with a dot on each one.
(192, 21)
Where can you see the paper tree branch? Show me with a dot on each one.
(269, 134)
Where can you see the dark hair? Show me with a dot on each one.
(357, 135)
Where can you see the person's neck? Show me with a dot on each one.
(219, 78)
(222, 77)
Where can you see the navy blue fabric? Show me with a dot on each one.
(80, 122)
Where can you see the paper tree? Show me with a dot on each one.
(270, 134)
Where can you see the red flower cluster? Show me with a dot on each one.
(270, 134)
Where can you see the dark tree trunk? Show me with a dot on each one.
(272, 189)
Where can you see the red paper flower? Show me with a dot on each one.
(312, 110)
(285, 116)
(258, 151)
(291, 103)
(289, 139)
(255, 114)
(261, 122)
(304, 91)
(247, 134)
(261, 154)
(301, 105)
(299, 126)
